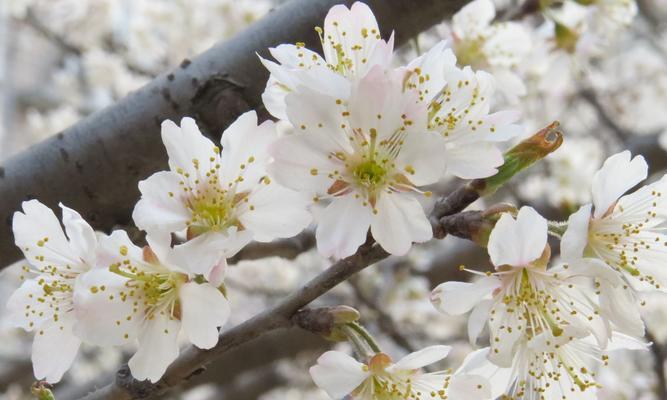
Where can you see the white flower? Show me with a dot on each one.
(368, 155)
(523, 298)
(341, 375)
(352, 46)
(459, 103)
(143, 295)
(624, 231)
(547, 367)
(43, 303)
(499, 47)
(223, 198)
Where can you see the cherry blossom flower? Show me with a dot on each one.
(459, 103)
(341, 376)
(351, 45)
(626, 231)
(217, 197)
(144, 296)
(368, 156)
(499, 47)
(44, 302)
(523, 298)
(548, 367)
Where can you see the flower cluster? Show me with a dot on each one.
(550, 326)
(367, 139)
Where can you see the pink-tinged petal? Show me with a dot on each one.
(456, 298)
(575, 238)
(217, 275)
(379, 103)
(291, 56)
(421, 358)
(54, 348)
(35, 224)
(82, 238)
(343, 227)
(338, 374)
(517, 242)
(618, 174)
(158, 348)
(162, 206)
(475, 160)
(273, 212)
(25, 310)
(469, 387)
(478, 319)
(101, 292)
(400, 221)
(422, 158)
(204, 310)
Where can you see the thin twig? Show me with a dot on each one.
(193, 360)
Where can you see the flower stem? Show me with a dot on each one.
(366, 336)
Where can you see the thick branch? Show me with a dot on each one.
(94, 166)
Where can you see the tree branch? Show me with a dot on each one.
(95, 165)
(279, 316)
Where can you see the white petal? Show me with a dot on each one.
(519, 241)
(423, 154)
(297, 172)
(473, 19)
(200, 255)
(273, 212)
(98, 292)
(82, 239)
(506, 328)
(618, 175)
(575, 238)
(245, 150)
(421, 358)
(36, 223)
(112, 248)
(432, 64)
(338, 374)
(25, 310)
(184, 145)
(477, 363)
(620, 307)
(400, 221)
(469, 387)
(342, 227)
(158, 348)
(162, 204)
(54, 349)
(476, 160)
(478, 319)
(204, 310)
(456, 298)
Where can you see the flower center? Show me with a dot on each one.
(470, 52)
(369, 174)
(213, 210)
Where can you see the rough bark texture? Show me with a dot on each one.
(94, 166)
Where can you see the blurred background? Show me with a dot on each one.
(602, 73)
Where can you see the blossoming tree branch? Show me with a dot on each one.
(358, 145)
